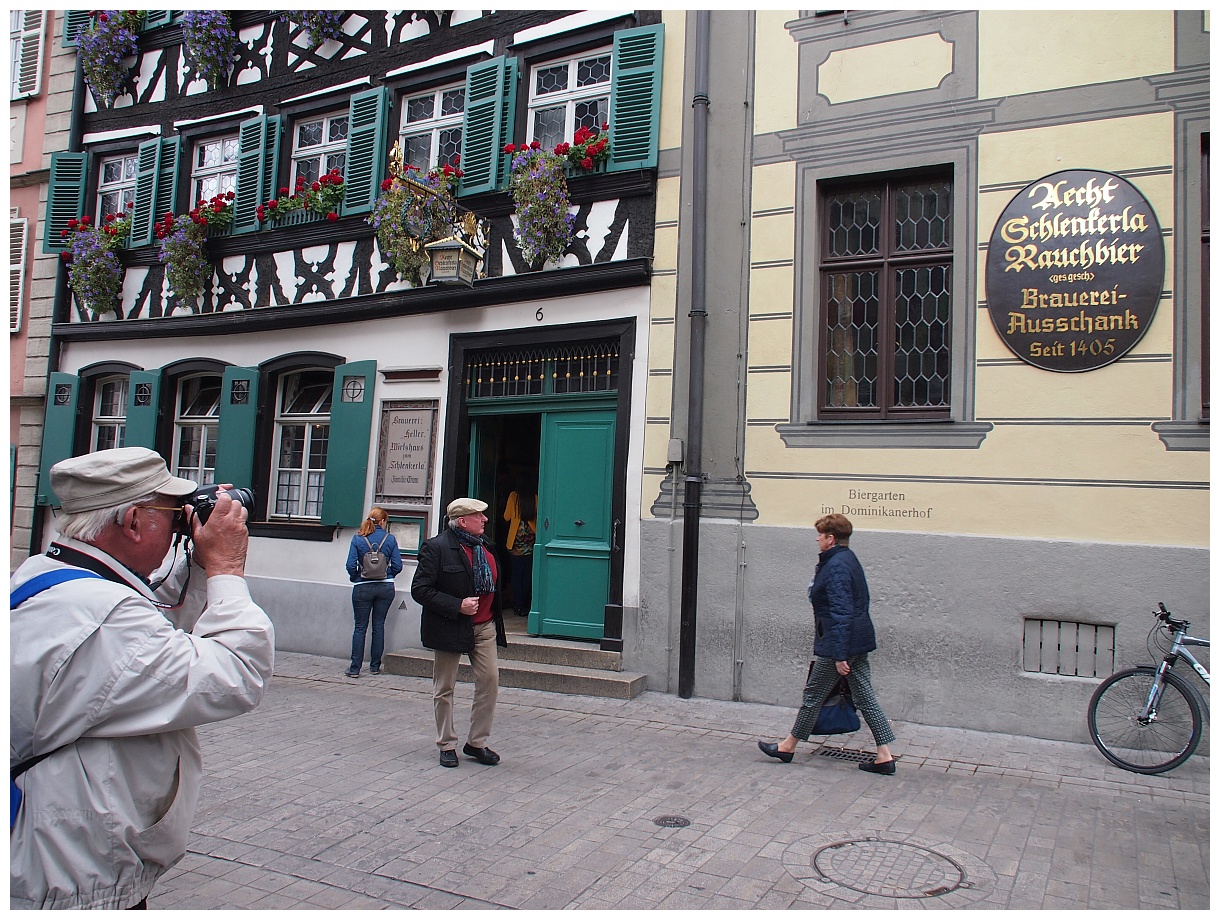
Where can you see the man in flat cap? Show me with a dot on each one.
(109, 683)
(457, 584)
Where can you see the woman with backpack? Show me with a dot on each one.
(372, 562)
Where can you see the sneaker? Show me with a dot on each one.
(350, 673)
(374, 671)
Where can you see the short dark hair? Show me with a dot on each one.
(835, 524)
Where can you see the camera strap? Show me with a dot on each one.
(75, 557)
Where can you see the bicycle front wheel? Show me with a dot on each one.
(1141, 745)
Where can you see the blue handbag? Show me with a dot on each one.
(838, 713)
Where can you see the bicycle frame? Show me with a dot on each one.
(1178, 650)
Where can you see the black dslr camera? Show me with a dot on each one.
(203, 500)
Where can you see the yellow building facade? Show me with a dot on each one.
(1017, 523)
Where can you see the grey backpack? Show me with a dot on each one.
(374, 563)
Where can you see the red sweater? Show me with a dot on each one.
(485, 612)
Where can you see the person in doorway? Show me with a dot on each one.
(521, 512)
(457, 584)
(844, 637)
(374, 586)
(108, 683)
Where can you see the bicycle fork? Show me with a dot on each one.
(1153, 703)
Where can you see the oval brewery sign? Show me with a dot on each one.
(1074, 270)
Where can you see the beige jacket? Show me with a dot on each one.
(94, 665)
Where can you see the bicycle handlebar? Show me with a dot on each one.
(1167, 618)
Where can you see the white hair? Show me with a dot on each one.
(88, 525)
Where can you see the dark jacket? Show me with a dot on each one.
(361, 545)
(443, 577)
(839, 595)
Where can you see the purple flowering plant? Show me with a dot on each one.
(182, 240)
(110, 38)
(209, 41)
(539, 191)
(320, 26)
(406, 218)
(95, 273)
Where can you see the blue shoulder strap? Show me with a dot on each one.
(40, 583)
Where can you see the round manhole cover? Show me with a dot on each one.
(874, 872)
(888, 868)
(671, 821)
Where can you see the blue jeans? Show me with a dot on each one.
(370, 598)
(523, 583)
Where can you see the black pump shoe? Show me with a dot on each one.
(885, 769)
(771, 749)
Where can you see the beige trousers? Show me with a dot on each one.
(486, 688)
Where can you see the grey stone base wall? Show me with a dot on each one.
(317, 619)
(949, 612)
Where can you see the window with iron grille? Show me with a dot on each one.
(431, 133)
(886, 299)
(1071, 649)
(544, 370)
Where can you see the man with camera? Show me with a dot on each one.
(110, 681)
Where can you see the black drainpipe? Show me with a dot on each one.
(692, 494)
(76, 133)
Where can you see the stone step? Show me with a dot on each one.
(529, 675)
(560, 651)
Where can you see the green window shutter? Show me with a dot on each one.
(155, 18)
(635, 97)
(366, 142)
(491, 90)
(58, 430)
(347, 461)
(257, 164)
(74, 22)
(156, 166)
(235, 427)
(65, 197)
(143, 403)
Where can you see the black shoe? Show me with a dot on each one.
(350, 673)
(885, 769)
(771, 749)
(449, 759)
(484, 755)
(374, 671)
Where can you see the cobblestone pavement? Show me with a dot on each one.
(330, 796)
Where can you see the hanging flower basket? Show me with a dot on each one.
(95, 272)
(410, 214)
(539, 192)
(209, 41)
(319, 26)
(182, 250)
(105, 47)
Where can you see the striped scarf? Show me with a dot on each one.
(483, 583)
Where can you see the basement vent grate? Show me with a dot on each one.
(1067, 648)
(848, 754)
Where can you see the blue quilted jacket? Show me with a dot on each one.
(839, 595)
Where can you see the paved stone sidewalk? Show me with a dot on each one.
(330, 796)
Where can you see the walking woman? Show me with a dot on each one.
(374, 586)
(844, 637)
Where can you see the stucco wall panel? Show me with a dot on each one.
(886, 68)
(765, 391)
(772, 237)
(1031, 50)
(771, 289)
(776, 59)
(771, 344)
(1124, 390)
(774, 186)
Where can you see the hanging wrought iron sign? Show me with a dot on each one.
(1074, 270)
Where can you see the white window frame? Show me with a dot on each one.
(224, 172)
(432, 126)
(297, 491)
(322, 152)
(203, 426)
(125, 187)
(117, 422)
(26, 38)
(569, 97)
(18, 238)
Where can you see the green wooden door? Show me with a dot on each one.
(572, 554)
